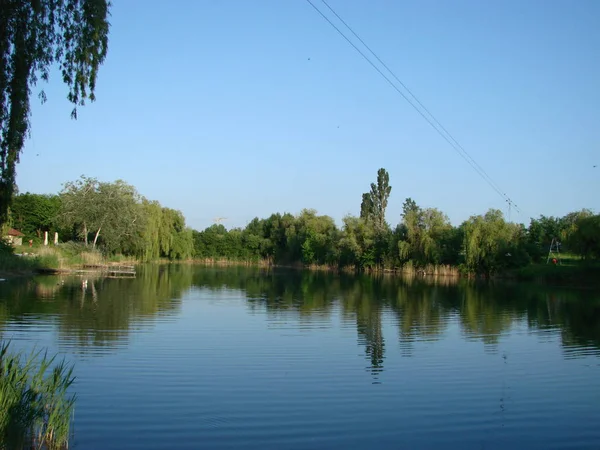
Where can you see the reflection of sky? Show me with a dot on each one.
(220, 373)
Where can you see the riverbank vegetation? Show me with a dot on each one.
(96, 223)
(424, 241)
(112, 221)
(35, 407)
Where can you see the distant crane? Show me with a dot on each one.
(219, 219)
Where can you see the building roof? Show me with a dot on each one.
(16, 233)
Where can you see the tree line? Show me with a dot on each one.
(110, 216)
(424, 238)
(117, 219)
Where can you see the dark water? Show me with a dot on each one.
(186, 357)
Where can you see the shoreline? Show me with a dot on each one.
(576, 276)
(579, 276)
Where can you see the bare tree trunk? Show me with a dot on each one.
(96, 237)
(85, 234)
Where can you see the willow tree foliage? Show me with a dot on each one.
(491, 243)
(114, 217)
(162, 233)
(427, 232)
(36, 35)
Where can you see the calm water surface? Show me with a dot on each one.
(186, 357)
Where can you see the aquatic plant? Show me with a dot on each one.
(35, 406)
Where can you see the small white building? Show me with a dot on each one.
(14, 237)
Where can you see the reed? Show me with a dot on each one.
(35, 407)
(430, 269)
(224, 262)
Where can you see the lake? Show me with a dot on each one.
(186, 357)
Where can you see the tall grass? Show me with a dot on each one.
(11, 263)
(225, 262)
(430, 269)
(48, 258)
(35, 407)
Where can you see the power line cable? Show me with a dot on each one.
(433, 122)
(481, 169)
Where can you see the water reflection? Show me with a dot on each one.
(93, 312)
(103, 314)
(422, 308)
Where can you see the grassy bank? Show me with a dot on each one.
(408, 269)
(73, 256)
(571, 271)
(25, 260)
(35, 408)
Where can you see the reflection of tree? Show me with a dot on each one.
(304, 293)
(577, 315)
(368, 324)
(421, 312)
(362, 299)
(102, 312)
(423, 306)
(486, 315)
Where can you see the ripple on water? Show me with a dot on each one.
(263, 362)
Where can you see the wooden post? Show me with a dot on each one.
(45, 238)
(55, 238)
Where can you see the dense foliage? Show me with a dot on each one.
(35, 36)
(423, 240)
(109, 216)
(115, 218)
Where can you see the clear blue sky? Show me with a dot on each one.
(214, 108)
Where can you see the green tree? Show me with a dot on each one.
(210, 243)
(357, 243)
(584, 238)
(568, 223)
(34, 36)
(107, 210)
(176, 241)
(78, 205)
(117, 215)
(317, 237)
(367, 207)
(148, 244)
(540, 234)
(491, 243)
(375, 202)
(427, 236)
(33, 214)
